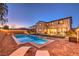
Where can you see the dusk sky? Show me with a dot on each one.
(29, 14)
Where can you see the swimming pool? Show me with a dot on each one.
(30, 38)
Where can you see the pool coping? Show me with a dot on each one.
(34, 44)
(16, 40)
(41, 45)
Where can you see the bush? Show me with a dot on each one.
(6, 27)
(71, 33)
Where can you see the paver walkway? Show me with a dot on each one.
(42, 53)
(21, 51)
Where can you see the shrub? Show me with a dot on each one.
(6, 27)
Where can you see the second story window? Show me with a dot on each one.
(39, 24)
(39, 29)
(61, 22)
(52, 23)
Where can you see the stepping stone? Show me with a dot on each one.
(42, 53)
(21, 51)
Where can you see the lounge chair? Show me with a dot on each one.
(42, 53)
(21, 51)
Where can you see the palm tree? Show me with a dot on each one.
(3, 13)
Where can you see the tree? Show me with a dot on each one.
(3, 13)
(6, 27)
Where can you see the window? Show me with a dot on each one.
(52, 31)
(39, 24)
(64, 29)
(61, 22)
(39, 29)
(52, 23)
(47, 24)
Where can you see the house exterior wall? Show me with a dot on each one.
(41, 28)
(57, 27)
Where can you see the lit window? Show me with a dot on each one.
(63, 29)
(47, 24)
(39, 29)
(53, 30)
(52, 23)
(45, 30)
(39, 24)
(61, 22)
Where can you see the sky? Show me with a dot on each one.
(28, 14)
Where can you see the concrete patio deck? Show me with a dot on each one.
(60, 47)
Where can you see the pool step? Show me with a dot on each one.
(20, 51)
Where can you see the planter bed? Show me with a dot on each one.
(73, 39)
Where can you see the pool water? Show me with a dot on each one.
(30, 38)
